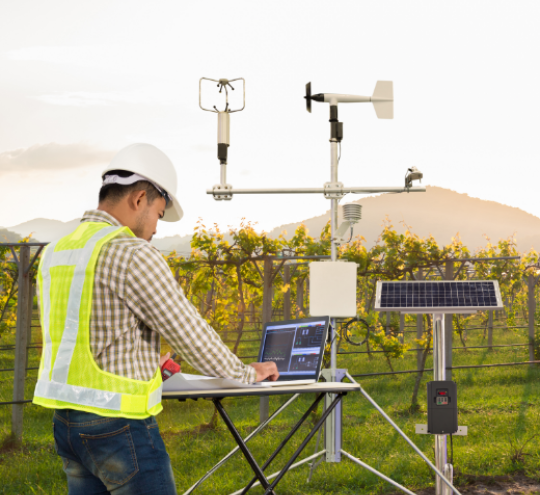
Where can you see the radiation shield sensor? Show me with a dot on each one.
(352, 214)
(332, 288)
(438, 297)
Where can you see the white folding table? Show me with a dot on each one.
(337, 389)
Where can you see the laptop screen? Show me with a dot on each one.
(295, 346)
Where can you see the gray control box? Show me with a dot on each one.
(442, 407)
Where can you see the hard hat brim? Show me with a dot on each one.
(173, 212)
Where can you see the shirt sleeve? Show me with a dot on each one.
(157, 299)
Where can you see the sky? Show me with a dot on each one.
(81, 80)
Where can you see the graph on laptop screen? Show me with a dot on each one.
(294, 348)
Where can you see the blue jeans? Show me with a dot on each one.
(112, 455)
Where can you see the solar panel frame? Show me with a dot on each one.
(443, 296)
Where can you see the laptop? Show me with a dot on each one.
(297, 348)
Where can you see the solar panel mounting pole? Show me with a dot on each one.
(439, 374)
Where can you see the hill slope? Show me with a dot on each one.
(45, 230)
(440, 212)
(8, 236)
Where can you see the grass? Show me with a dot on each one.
(501, 407)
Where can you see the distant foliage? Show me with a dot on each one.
(224, 280)
(9, 273)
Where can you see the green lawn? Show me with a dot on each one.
(501, 407)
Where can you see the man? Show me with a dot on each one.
(106, 298)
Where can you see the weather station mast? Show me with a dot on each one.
(332, 283)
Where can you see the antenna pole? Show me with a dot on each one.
(333, 427)
(336, 136)
(333, 246)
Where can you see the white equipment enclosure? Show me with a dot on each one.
(332, 288)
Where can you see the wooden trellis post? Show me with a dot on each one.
(264, 403)
(419, 327)
(30, 315)
(287, 295)
(490, 329)
(531, 282)
(21, 341)
(448, 330)
(299, 296)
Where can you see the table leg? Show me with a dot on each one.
(247, 454)
(321, 421)
(286, 439)
(209, 473)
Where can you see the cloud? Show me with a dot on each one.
(109, 60)
(53, 156)
(84, 99)
(82, 55)
(152, 95)
(155, 95)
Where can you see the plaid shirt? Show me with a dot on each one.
(136, 301)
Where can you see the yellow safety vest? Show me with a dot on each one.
(68, 375)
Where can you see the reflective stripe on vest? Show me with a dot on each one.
(119, 396)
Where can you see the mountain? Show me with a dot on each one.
(8, 236)
(179, 243)
(440, 212)
(45, 230)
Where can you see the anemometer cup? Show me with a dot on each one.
(223, 84)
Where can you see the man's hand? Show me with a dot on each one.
(163, 359)
(266, 370)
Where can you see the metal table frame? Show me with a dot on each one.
(259, 470)
(329, 389)
(336, 390)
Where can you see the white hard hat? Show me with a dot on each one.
(151, 163)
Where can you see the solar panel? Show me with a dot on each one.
(438, 296)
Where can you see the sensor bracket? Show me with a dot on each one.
(333, 185)
(222, 192)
